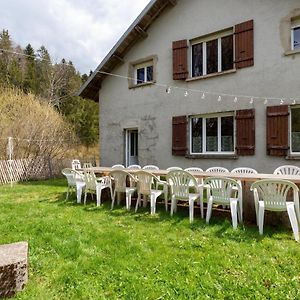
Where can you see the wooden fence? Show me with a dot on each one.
(12, 171)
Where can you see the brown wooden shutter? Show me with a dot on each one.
(277, 130)
(179, 136)
(245, 132)
(244, 45)
(180, 60)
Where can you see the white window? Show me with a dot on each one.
(295, 130)
(212, 54)
(295, 34)
(212, 134)
(143, 73)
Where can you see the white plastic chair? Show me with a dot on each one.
(144, 188)
(219, 191)
(118, 166)
(161, 183)
(96, 185)
(87, 165)
(244, 170)
(217, 170)
(270, 194)
(119, 177)
(180, 182)
(75, 181)
(174, 169)
(76, 164)
(287, 170)
(134, 167)
(200, 186)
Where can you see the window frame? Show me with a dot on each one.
(204, 40)
(138, 64)
(208, 116)
(290, 130)
(293, 27)
(144, 66)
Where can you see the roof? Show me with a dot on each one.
(136, 32)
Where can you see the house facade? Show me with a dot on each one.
(203, 83)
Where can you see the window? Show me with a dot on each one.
(295, 33)
(295, 129)
(212, 54)
(212, 134)
(144, 73)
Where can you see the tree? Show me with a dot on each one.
(5, 55)
(30, 83)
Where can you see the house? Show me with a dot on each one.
(203, 83)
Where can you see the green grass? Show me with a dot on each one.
(84, 252)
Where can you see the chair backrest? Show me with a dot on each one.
(70, 175)
(76, 164)
(244, 170)
(193, 169)
(90, 180)
(217, 170)
(174, 168)
(134, 167)
(145, 180)
(118, 166)
(87, 165)
(119, 178)
(180, 182)
(287, 170)
(274, 192)
(220, 188)
(150, 167)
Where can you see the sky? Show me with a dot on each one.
(82, 31)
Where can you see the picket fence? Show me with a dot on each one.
(12, 171)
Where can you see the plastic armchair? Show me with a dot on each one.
(118, 166)
(287, 170)
(244, 170)
(217, 170)
(219, 191)
(144, 188)
(200, 186)
(119, 177)
(270, 194)
(87, 165)
(76, 164)
(75, 181)
(134, 167)
(174, 168)
(161, 183)
(96, 185)
(180, 182)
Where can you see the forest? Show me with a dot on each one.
(39, 108)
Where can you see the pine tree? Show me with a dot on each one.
(30, 83)
(5, 55)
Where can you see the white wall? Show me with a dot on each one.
(152, 109)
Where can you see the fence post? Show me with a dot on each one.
(10, 149)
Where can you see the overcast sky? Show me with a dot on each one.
(82, 31)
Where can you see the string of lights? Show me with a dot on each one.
(204, 93)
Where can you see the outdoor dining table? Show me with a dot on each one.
(246, 179)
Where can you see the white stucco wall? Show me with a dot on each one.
(151, 109)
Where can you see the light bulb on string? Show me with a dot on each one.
(203, 96)
(186, 93)
(168, 90)
(294, 102)
(219, 99)
(266, 101)
(251, 100)
(235, 99)
(281, 101)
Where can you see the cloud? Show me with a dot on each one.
(80, 31)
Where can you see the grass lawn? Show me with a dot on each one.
(84, 252)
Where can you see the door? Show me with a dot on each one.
(131, 147)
